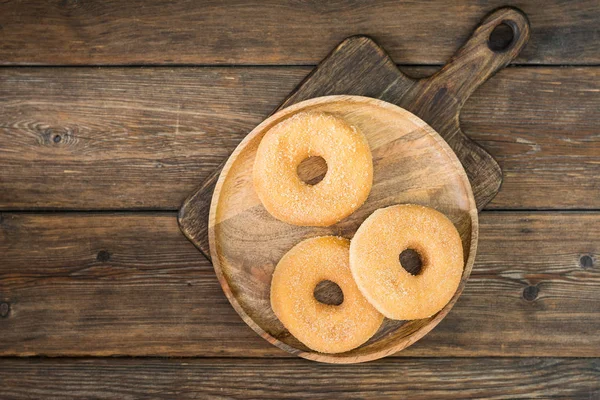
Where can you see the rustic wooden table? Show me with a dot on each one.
(112, 112)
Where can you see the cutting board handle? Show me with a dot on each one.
(482, 55)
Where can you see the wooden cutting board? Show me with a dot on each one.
(358, 66)
(413, 164)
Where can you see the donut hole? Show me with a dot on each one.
(312, 170)
(328, 292)
(411, 261)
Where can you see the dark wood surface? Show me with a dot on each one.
(118, 140)
(453, 378)
(131, 138)
(99, 32)
(131, 284)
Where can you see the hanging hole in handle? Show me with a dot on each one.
(503, 37)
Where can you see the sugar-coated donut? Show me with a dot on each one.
(322, 327)
(375, 264)
(346, 184)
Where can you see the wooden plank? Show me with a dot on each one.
(100, 136)
(131, 284)
(499, 378)
(120, 138)
(543, 127)
(61, 32)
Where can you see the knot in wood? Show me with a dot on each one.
(103, 256)
(4, 310)
(530, 293)
(586, 261)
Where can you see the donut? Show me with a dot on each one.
(322, 327)
(376, 268)
(346, 184)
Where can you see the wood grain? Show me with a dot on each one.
(165, 130)
(246, 242)
(131, 284)
(61, 32)
(282, 379)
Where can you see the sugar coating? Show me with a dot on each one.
(375, 265)
(322, 327)
(346, 184)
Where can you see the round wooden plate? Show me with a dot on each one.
(412, 164)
